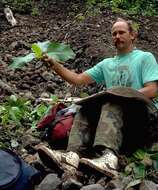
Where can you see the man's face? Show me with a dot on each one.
(121, 36)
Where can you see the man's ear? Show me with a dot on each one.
(134, 35)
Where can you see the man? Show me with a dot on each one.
(129, 68)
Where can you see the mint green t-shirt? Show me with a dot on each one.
(130, 70)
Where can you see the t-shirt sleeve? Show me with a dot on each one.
(96, 73)
(149, 69)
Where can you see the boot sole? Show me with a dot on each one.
(46, 155)
(89, 164)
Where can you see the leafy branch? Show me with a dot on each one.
(59, 51)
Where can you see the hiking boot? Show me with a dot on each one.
(106, 164)
(64, 161)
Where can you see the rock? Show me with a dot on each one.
(28, 140)
(51, 87)
(7, 57)
(30, 159)
(2, 63)
(29, 95)
(118, 183)
(6, 87)
(13, 45)
(71, 184)
(24, 86)
(148, 185)
(47, 76)
(102, 181)
(44, 95)
(38, 64)
(50, 182)
(93, 187)
(9, 16)
(14, 143)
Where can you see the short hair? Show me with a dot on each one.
(130, 24)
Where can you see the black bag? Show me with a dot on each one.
(15, 174)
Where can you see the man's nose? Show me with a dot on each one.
(117, 35)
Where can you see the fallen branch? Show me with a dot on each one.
(69, 99)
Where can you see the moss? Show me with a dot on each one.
(22, 6)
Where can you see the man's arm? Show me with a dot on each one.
(150, 89)
(66, 74)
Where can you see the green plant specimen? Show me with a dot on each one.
(142, 164)
(59, 51)
(17, 110)
(37, 113)
(14, 110)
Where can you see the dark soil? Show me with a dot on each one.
(62, 21)
(90, 39)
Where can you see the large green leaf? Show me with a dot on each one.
(155, 165)
(60, 51)
(139, 154)
(139, 171)
(15, 114)
(37, 50)
(19, 62)
(44, 45)
(154, 156)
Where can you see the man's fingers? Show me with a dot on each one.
(50, 60)
(44, 57)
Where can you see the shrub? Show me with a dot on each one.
(132, 7)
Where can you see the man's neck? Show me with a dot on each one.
(125, 51)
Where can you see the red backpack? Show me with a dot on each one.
(56, 125)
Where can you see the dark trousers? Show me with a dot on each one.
(107, 131)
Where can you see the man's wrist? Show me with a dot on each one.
(54, 63)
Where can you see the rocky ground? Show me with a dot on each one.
(89, 37)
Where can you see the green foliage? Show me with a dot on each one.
(37, 113)
(37, 51)
(35, 11)
(54, 99)
(139, 155)
(19, 62)
(141, 165)
(59, 51)
(83, 94)
(94, 6)
(18, 5)
(131, 7)
(140, 7)
(14, 110)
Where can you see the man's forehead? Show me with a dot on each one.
(120, 25)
